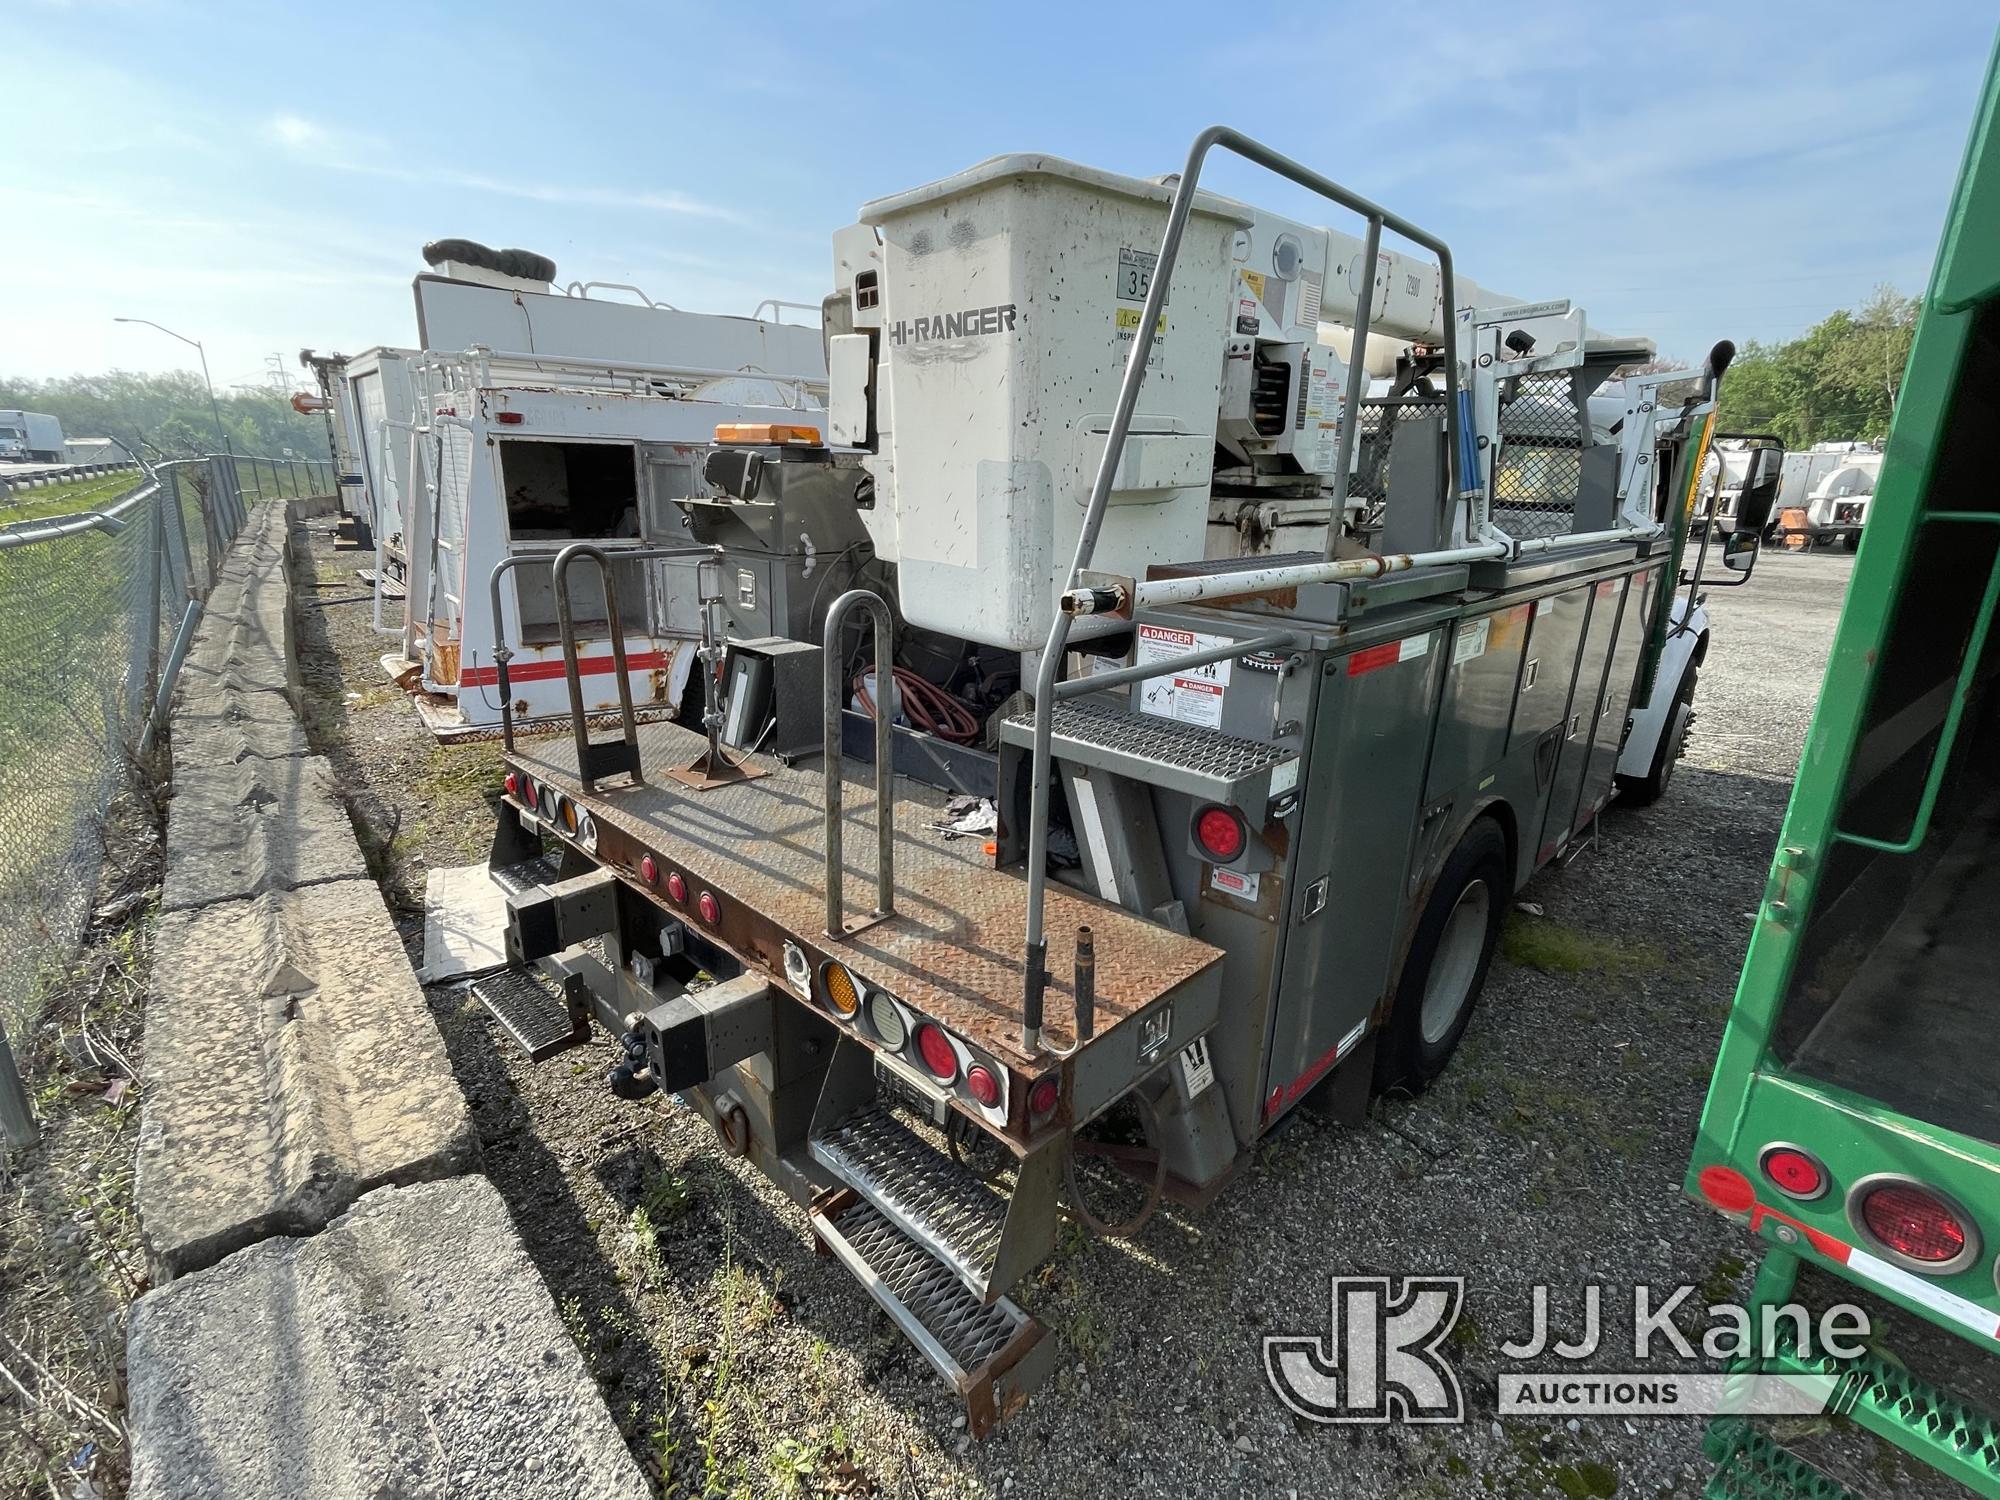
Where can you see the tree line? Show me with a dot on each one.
(167, 415)
(1837, 382)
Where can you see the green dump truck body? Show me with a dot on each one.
(1853, 1120)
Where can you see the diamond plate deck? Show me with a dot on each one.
(530, 1009)
(953, 949)
(928, 1196)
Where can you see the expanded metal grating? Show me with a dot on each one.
(1750, 1466)
(930, 1197)
(1539, 468)
(530, 1009)
(1911, 1413)
(968, 1331)
(1165, 742)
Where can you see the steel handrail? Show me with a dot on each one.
(1050, 666)
(885, 775)
(503, 653)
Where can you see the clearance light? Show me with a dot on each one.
(1913, 1223)
(511, 418)
(1044, 1096)
(649, 869)
(709, 907)
(937, 1052)
(837, 986)
(887, 1021)
(1795, 1173)
(983, 1086)
(1219, 832)
(677, 888)
(766, 432)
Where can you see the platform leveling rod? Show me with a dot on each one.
(714, 766)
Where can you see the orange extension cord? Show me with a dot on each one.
(926, 705)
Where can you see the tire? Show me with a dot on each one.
(1852, 541)
(1643, 791)
(1447, 962)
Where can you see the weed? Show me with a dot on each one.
(1587, 1481)
(1557, 948)
(667, 1197)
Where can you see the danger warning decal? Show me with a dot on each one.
(1192, 695)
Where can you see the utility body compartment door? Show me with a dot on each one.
(1363, 782)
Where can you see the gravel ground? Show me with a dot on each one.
(737, 1361)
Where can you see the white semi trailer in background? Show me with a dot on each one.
(30, 437)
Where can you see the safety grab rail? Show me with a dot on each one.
(885, 775)
(503, 654)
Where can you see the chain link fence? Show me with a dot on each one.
(91, 601)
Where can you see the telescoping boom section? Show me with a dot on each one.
(945, 916)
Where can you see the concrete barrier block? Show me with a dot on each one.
(255, 826)
(409, 1350)
(291, 1065)
(205, 743)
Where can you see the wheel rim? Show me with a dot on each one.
(1449, 986)
(1677, 745)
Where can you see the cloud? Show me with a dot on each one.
(296, 132)
(359, 156)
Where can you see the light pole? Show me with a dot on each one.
(214, 410)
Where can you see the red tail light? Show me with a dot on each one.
(649, 870)
(937, 1052)
(1727, 1188)
(1044, 1096)
(1219, 832)
(982, 1085)
(677, 887)
(1915, 1223)
(709, 907)
(528, 791)
(1794, 1172)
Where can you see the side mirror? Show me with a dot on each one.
(1739, 551)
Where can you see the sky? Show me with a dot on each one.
(262, 176)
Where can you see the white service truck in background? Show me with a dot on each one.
(29, 437)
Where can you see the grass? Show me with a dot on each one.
(70, 1254)
(1557, 948)
(91, 493)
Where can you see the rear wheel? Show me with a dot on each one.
(1446, 967)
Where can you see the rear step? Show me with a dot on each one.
(1190, 758)
(992, 1354)
(520, 879)
(533, 1011)
(944, 1207)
